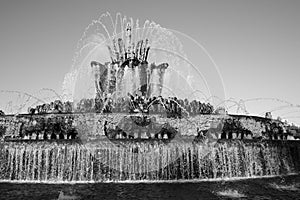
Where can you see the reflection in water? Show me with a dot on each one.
(63, 196)
(291, 187)
(231, 194)
(258, 188)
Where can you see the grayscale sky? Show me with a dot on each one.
(255, 43)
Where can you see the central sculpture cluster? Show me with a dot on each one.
(128, 72)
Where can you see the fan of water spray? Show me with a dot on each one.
(16, 102)
(278, 107)
(107, 39)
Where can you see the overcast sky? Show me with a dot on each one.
(256, 44)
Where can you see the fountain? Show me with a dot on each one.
(120, 123)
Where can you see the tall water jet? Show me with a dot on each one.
(129, 62)
(118, 42)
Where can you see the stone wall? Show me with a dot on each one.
(91, 125)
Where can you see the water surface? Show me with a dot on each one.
(284, 187)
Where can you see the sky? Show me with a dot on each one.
(255, 44)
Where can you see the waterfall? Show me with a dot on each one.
(119, 81)
(132, 80)
(152, 160)
(137, 82)
(143, 78)
(126, 81)
(154, 83)
(157, 79)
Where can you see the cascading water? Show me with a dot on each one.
(154, 160)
